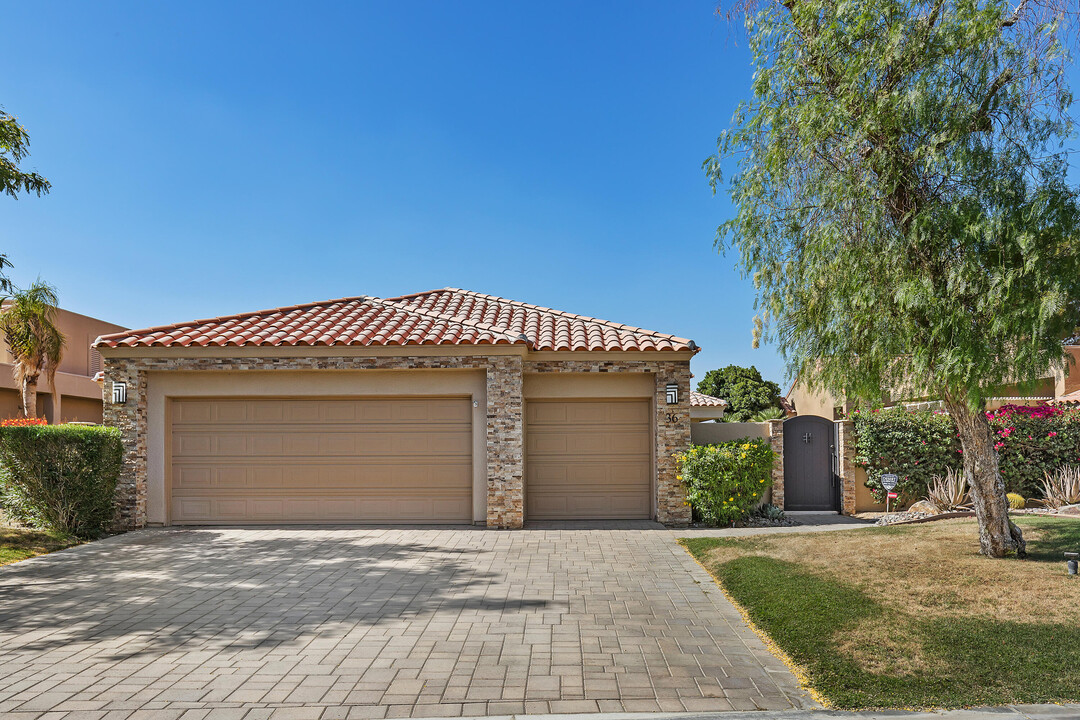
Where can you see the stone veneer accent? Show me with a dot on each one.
(776, 442)
(845, 448)
(505, 419)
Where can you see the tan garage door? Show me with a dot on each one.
(588, 459)
(347, 460)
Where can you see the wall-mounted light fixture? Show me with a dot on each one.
(119, 393)
(672, 393)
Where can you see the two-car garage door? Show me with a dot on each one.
(321, 460)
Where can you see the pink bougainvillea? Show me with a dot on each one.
(1031, 411)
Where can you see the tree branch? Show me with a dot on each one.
(1015, 16)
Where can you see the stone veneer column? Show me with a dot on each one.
(672, 436)
(845, 449)
(130, 418)
(776, 442)
(505, 443)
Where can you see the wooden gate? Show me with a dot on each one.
(810, 478)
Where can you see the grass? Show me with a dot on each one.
(913, 616)
(19, 544)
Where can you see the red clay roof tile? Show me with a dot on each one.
(702, 400)
(437, 317)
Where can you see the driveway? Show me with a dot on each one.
(376, 622)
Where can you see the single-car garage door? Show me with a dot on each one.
(321, 460)
(588, 459)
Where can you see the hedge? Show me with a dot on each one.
(918, 444)
(60, 477)
(726, 480)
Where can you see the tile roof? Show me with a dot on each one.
(702, 400)
(545, 329)
(1072, 398)
(439, 317)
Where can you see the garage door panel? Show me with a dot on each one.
(588, 459)
(265, 460)
(322, 474)
(585, 440)
(260, 442)
(339, 508)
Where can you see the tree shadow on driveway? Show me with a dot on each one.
(227, 590)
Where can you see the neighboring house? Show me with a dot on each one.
(446, 406)
(706, 407)
(78, 397)
(802, 401)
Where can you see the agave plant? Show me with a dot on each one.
(949, 492)
(1062, 487)
(767, 414)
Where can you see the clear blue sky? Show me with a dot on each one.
(210, 158)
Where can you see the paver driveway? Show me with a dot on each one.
(358, 622)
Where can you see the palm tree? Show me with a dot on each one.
(28, 322)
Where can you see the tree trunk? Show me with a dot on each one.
(998, 536)
(29, 397)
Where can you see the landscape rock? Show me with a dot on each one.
(925, 507)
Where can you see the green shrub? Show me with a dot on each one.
(725, 481)
(914, 445)
(1032, 442)
(60, 477)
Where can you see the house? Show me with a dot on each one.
(78, 397)
(447, 406)
(800, 400)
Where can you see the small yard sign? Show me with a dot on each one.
(888, 481)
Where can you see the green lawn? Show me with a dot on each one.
(18, 544)
(912, 616)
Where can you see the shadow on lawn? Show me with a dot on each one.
(1056, 536)
(173, 588)
(954, 661)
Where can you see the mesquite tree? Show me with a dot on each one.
(902, 204)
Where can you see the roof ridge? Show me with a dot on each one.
(233, 316)
(562, 313)
(447, 317)
(369, 299)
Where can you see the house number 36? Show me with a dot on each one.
(671, 417)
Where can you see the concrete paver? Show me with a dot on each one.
(377, 623)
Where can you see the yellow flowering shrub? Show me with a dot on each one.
(725, 481)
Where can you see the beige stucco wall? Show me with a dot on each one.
(80, 331)
(161, 386)
(817, 402)
(708, 433)
(588, 385)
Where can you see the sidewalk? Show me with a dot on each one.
(811, 522)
